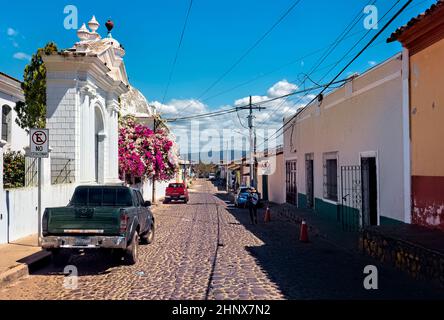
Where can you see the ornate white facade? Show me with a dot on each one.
(84, 85)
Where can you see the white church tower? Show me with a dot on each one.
(84, 86)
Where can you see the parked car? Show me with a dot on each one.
(177, 192)
(241, 198)
(114, 218)
(212, 177)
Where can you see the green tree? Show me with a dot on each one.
(13, 170)
(32, 112)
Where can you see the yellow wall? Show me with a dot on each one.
(427, 111)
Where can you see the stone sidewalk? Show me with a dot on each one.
(18, 257)
(415, 250)
(319, 226)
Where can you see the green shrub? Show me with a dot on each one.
(13, 170)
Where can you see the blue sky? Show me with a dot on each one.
(218, 33)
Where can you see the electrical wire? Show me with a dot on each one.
(235, 109)
(343, 69)
(173, 67)
(248, 51)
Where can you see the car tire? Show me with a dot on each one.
(132, 252)
(148, 237)
(59, 257)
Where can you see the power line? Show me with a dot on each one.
(343, 69)
(240, 121)
(235, 109)
(249, 50)
(330, 49)
(170, 77)
(301, 58)
(359, 41)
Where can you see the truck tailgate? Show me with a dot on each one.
(73, 220)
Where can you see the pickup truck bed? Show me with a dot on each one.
(100, 217)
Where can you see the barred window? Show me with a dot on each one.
(331, 177)
(6, 123)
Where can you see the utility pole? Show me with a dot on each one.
(250, 107)
(226, 173)
(153, 195)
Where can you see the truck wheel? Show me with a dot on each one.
(117, 255)
(59, 257)
(132, 251)
(148, 237)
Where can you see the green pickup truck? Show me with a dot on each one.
(115, 218)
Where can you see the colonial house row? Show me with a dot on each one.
(344, 153)
(87, 89)
(269, 173)
(371, 152)
(13, 136)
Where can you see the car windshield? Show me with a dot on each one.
(97, 197)
(175, 185)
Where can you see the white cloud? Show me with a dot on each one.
(177, 107)
(21, 56)
(269, 119)
(372, 63)
(11, 32)
(282, 88)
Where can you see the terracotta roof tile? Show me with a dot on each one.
(395, 35)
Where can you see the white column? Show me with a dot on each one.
(4, 217)
(112, 152)
(406, 135)
(84, 140)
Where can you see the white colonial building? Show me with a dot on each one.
(11, 92)
(84, 85)
(344, 153)
(87, 89)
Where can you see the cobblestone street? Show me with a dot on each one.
(207, 249)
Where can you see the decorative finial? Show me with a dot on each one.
(83, 33)
(93, 24)
(109, 25)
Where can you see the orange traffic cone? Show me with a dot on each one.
(304, 232)
(267, 215)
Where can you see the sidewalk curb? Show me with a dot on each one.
(26, 265)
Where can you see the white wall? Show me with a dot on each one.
(18, 138)
(20, 206)
(147, 190)
(364, 116)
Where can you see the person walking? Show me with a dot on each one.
(253, 199)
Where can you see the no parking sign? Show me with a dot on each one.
(39, 145)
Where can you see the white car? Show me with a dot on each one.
(212, 176)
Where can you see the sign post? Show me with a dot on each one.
(39, 148)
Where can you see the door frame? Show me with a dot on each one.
(373, 154)
(310, 157)
(287, 161)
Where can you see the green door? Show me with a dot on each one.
(265, 188)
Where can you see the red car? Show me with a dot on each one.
(176, 192)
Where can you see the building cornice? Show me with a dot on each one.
(11, 87)
(78, 64)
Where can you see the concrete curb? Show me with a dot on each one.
(26, 265)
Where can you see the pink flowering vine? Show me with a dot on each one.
(144, 153)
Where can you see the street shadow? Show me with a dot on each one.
(319, 269)
(87, 264)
